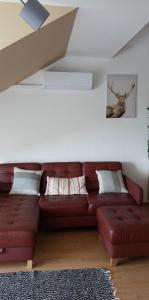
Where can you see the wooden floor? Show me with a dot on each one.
(81, 249)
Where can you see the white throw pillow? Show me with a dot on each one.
(111, 182)
(26, 182)
(66, 186)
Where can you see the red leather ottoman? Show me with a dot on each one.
(124, 231)
(18, 227)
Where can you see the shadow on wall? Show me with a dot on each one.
(98, 79)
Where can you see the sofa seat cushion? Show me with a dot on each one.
(63, 206)
(96, 200)
(124, 224)
(18, 220)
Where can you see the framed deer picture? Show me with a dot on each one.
(121, 96)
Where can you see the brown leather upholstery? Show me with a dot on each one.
(89, 170)
(63, 206)
(19, 214)
(6, 173)
(60, 170)
(124, 230)
(18, 221)
(74, 206)
(134, 190)
(17, 254)
(96, 200)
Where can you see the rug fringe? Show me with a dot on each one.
(113, 288)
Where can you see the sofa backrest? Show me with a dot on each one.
(89, 171)
(61, 170)
(7, 171)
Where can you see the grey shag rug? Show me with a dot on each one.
(79, 284)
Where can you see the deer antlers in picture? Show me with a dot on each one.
(119, 108)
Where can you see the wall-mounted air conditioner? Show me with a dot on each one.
(57, 81)
(67, 80)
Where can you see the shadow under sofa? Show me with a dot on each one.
(20, 215)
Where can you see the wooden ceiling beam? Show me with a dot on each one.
(33, 51)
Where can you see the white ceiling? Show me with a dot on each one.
(104, 27)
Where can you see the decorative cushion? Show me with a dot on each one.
(66, 186)
(111, 182)
(26, 182)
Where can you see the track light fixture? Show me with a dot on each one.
(34, 13)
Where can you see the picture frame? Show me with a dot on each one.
(121, 96)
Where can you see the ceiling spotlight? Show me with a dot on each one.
(34, 13)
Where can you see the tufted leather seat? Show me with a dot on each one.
(124, 230)
(18, 220)
(19, 217)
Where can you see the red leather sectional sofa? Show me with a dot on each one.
(20, 215)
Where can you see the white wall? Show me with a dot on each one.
(41, 125)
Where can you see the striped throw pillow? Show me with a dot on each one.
(66, 186)
(111, 182)
(26, 182)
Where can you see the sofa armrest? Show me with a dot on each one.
(134, 190)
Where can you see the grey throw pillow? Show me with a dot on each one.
(26, 182)
(111, 182)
